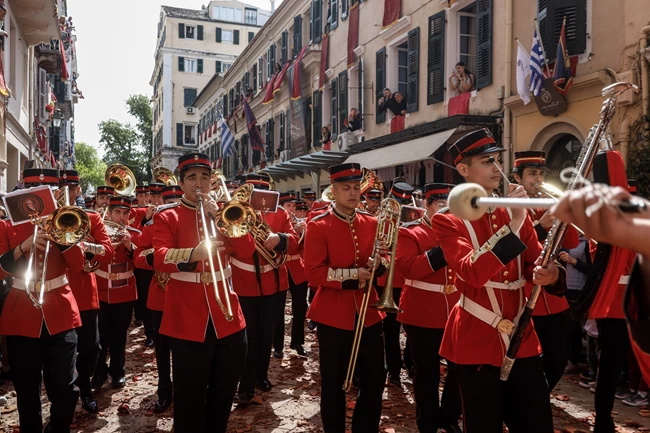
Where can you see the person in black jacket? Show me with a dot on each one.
(394, 102)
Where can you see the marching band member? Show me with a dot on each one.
(155, 193)
(41, 338)
(373, 199)
(89, 202)
(301, 209)
(208, 352)
(98, 248)
(309, 197)
(492, 259)
(260, 286)
(142, 196)
(551, 315)
(104, 192)
(144, 259)
(338, 248)
(426, 301)
(117, 294)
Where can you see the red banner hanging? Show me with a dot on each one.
(353, 33)
(323, 61)
(392, 9)
(296, 86)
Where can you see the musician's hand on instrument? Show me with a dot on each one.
(518, 215)
(545, 276)
(372, 264)
(126, 239)
(209, 205)
(272, 241)
(150, 212)
(546, 221)
(201, 252)
(364, 275)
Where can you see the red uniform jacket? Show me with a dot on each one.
(608, 302)
(189, 306)
(421, 259)
(295, 266)
(84, 284)
(549, 304)
(317, 208)
(274, 280)
(143, 258)
(335, 246)
(638, 320)
(136, 217)
(467, 339)
(123, 290)
(60, 312)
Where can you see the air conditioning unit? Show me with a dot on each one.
(345, 140)
(285, 155)
(190, 110)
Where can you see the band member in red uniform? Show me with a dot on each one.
(155, 193)
(117, 294)
(373, 199)
(493, 258)
(41, 338)
(260, 286)
(403, 193)
(101, 200)
(89, 203)
(208, 352)
(428, 296)
(551, 315)
(144, 259)
(98, 249)
(338, 248)
(309, 198)
(301, 209)
(297, 286)
(142, 196)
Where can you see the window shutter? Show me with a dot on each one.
(413, 62)
(550, 17)
(287, 130)
(181, 64)
(226, 113)
(335, 14)
(218, 33)
(282, 130)
(272, 138)
(334, 110)
(199, 33)
(360, 90)
(235, 37)
(380, 79)
(268, 64)
(436, 59)
(217, 67)
(251, 35)
(260, 73)
(283, 48)
(181, 31)
(317, 117)
(344, 9)
(297, 35)
(199, 66)
(179, 134)
(254, 86)
(343, 99)
(484, 41)
(317, 12)
(273, 61)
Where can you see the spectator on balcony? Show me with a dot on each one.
(462, 79)
(390, 102)
(401, 104)
(327, 138)
(354, 120)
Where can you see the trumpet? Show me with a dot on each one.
(299, 226)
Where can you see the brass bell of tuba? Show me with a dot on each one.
(164, 175)
(121, 178)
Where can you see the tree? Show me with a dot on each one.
(140, 108)
(91, 169)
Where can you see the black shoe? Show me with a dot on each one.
(244, 397)
(300, 350)
(137, 323)
(278, 354)
(148, 342)
(89, 404)
(311, 325)
(98, 381)
(162, 405)
(395, 380)
(264, 385)
(119, 382)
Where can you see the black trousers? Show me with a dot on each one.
(298, 313)
(205, 380)
(522, 402)
(114, 321)
(163, 355)
(391, 337)
(279, 304)
(614, 343)
(335, 348)
(55, 356)
(142, 281)
(87, 349)
(553, 334)
(431, 414)
(576, 330)
(260, 313)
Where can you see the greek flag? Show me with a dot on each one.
(536, 65)
(227, 139)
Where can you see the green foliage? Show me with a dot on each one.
(127, 144)
(91, 169)
(638, 165)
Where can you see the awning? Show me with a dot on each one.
(306, 164)
(402, 153)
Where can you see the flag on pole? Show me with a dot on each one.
(523, 69)
(536, 65)
(280, 78)
(562, 75)
(253, 133)
(227, 139)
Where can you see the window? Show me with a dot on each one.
(333, 15)
(402, 68)
(283, 128)
(317, 117)
(345, 9)
(484, 44)
(189, 139)
(255, 78)
(238, 15)
(189, 32)
(467, 37)
(284, 47)
(270, 145)
(413, 70)
(551, 14)
(189, 95)
(251, 35)
(260, 72)
(217, 67)
(436, 58)
(343, 100)
(316, 20)
(380, 79)
(190, 65)
(250, 16)
(297, 35)
(334, 108)
(226, 35)
(226, 66)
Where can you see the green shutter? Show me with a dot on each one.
(217, 32)
(217, 67)
(551, 16)
(436, 59)
(360, 89)
(254, 86)
(317, 12)
(199, 66)
(380, 79)
(181, 64)
(484, 44)
(283, 128)
(235, 37)
(334, 108)
(335, 14)
(199, 33)
(297, 34)
(181, 31)
(343, 99)
(284, 40)
(251, 35)
(413, 74)
(345, 8)
(179, 134)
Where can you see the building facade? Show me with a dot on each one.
(193, 45)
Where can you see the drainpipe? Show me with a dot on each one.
(645, 92)
(508, 88)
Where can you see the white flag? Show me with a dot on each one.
(523, 69)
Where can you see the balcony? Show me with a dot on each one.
(63, 93)
(37, 19)
(49, 56)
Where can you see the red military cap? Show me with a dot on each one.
(374, 194)
(529, 158)
(120, 201)
(287, 196)
(311, 195)
(345, 172)
(474, 143)
(69, 177)
(402, 192)
(156, 188)
(172, 191)
(193, 159)
(103, 189)
(41, 176)
(437, 190)
(259, 181)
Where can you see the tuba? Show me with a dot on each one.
(164, 175)
(327, 195)
(121, 178)
(369, 181)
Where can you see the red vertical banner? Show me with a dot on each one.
(353, 33)
(323, 61)
(65, 76)
(392, 9)
(296, 86)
